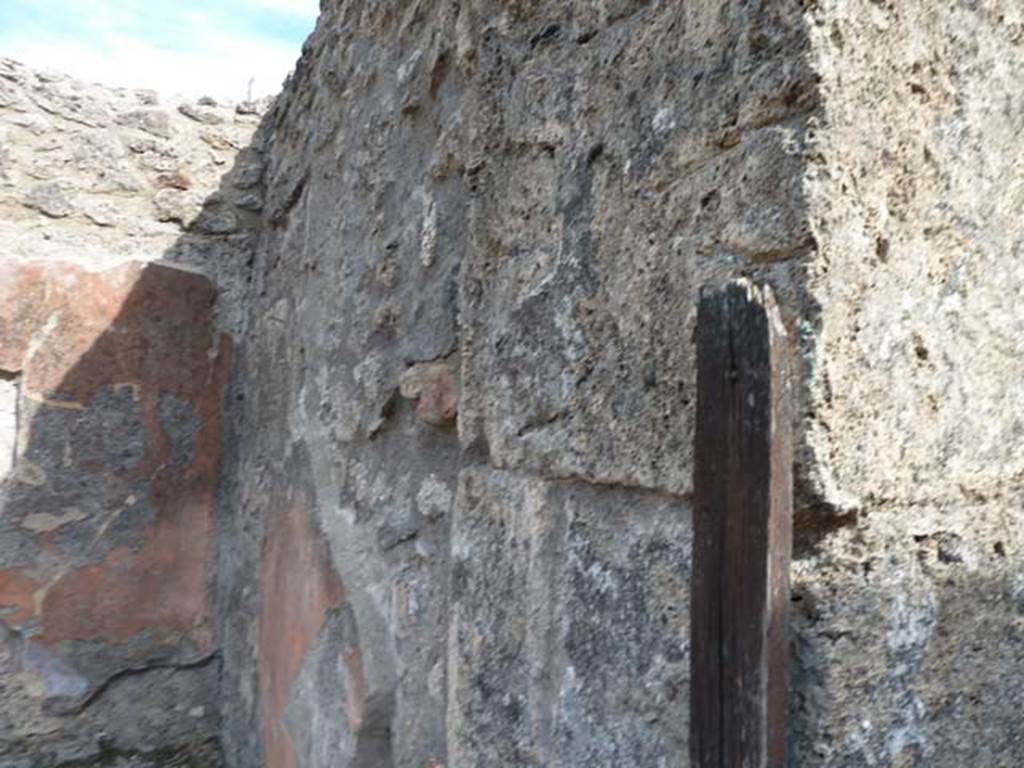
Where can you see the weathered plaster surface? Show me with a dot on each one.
(108, 510)
(461, 257)
(469, 356)
(299, 587)
(113, 371)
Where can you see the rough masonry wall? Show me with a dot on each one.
(113, 369)
(468, 374)
(910, 618)
(455, 525)
(505, 210)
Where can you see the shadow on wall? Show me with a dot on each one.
(596, 168)
(906, 646)
(103, 592)
(629, 186)
(115, 438)
(108, 530)
(112, 430)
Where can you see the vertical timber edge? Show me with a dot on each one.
(742, 530)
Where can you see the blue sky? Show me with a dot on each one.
(192, 47)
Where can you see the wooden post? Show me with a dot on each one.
(742, 531)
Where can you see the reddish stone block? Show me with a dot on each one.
(434, 387)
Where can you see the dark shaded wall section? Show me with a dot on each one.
(470, 360)
(126, 221)
(108, 547)
(453, 525)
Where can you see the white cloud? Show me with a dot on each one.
(223, 72)
(207, 56)
(305, 8)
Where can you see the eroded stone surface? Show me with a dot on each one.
(107, 511)
(918, 389)
(908, 644)
(97, 175)
(615, 176)
(464, 250)
(569, 636)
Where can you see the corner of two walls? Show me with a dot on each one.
(454, 504)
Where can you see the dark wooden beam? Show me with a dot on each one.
(742, 531)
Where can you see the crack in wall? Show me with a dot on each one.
(99, 690)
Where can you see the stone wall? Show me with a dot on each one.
(505, 210)
(910, 623)
(114, 231)
(457, 266)
(468, 372)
